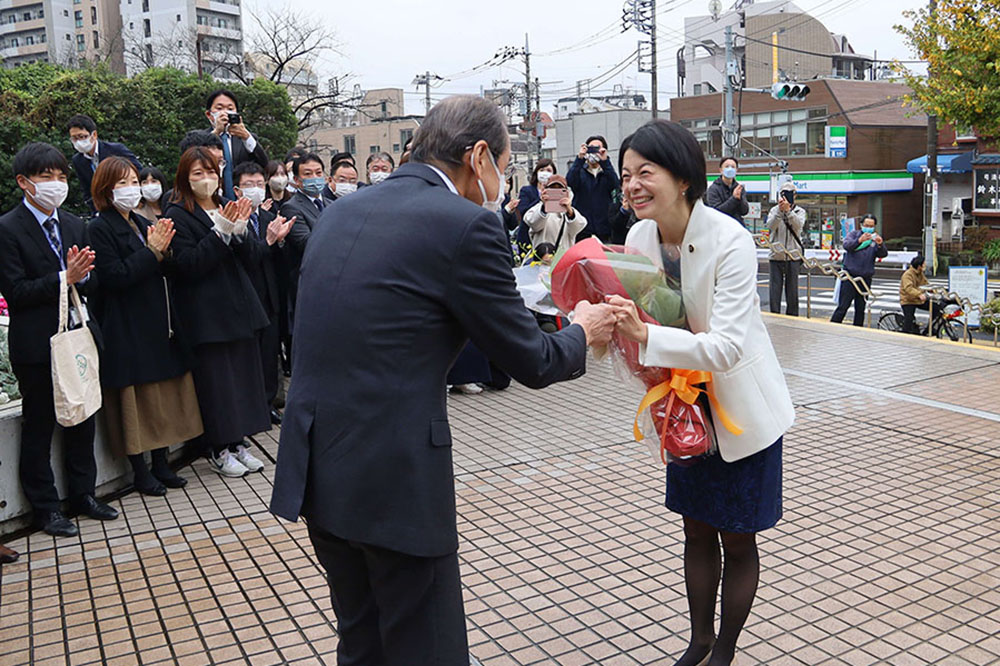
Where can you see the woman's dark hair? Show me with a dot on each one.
(598, 137)
(109, 172)
(158, 175)
(543, 249)
(541, 164)
(456, 124)
(917, 261)
(83, 122)
(294, 154)
(672, 147)
(219, 93)
(183, 194)
(37, 158)
(726, 159)
(273, 167)
(200, 139)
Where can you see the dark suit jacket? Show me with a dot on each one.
(394, 282)
(85, 171)
(263, 273)
(241, 154)
(306, 215)
(215, 298)
(134, 307)
(29, 280)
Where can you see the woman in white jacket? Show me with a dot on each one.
(560, 228)
(735, 493)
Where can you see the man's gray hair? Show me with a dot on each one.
(455, 125)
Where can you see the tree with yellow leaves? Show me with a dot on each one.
(960, 40)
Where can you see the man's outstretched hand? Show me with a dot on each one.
(597, 321)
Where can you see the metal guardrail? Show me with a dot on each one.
(828, 268)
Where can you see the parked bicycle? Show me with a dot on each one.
(945, 322)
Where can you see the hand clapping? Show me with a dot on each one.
(158, 236)
(237, 211)
(278, 229)
(79, 263)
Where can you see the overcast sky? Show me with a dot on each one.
(385, 43)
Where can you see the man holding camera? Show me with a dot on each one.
(593, 180)
(238, 144)
(785, 223)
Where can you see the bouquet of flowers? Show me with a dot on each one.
(670, 413)
(3, 307)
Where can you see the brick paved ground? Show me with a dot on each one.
(888, 552)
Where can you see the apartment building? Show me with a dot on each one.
(60, 31)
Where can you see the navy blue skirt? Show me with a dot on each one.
(742, 496)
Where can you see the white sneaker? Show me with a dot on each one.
(247, 459)
(226, 464)
(469, 389)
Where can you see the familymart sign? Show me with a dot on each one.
(845, 182)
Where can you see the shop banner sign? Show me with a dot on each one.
(969, 282)
(836, 141)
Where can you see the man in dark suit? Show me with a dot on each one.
(37, 243)
(394, 281)
(238, 144)
(90, 151)
(263, 274)
(306, 206)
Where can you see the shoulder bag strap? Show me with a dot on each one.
(63, 303)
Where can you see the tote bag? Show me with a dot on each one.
(76, 383)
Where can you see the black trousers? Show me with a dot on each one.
(910, 316)
(849, 294)
(393, 609)
(784, 274)
(39, 421)
(269, 340)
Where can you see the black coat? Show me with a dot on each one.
(85, 170)
(134, 307)
(264, 272)
(302, 208)
(720, 197)
(216, 301)
(29, 281)
(394, 282)
(241, 154)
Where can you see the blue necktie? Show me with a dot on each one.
(319, 204)
(227, 173)
(54, 242)
(256, 224)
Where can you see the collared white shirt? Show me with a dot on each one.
(444, 177)
(249, 142)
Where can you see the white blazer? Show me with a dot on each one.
(727, 336)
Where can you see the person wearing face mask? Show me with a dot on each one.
(90, 151)
(153, 186)
(558, 228)
(238, 144)
(395, 280)
(306, 206)
(785, 223)
(379, 167)
(268, 230)
(277, 183)
(343, 178)
(530, 195)
(862, 248)
(149, 396)
(725, 194)
(219, 310)
(38, 242)
(594, 180)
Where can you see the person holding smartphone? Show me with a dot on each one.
(785, 223)
(238, 144)
(862, 248)
(553, 219)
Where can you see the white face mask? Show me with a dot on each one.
(543, 176)
(50, 194)
(152, 192)
(377, 177)
(84, 146)
(254, 194)
(496, 203)
(343, 189)
(126, 198)
(278, 182)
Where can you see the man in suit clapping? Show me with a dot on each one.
(395, 280)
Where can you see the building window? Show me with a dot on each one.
(374, 149)
(13, 42)
(26, 16)
(29, 40)
(131, 26)
(41, 13)
(97, 41)
(145, 5)
(178, 18)
(349, 144)
(41, 38)
(81, 43)
(149, 54)
(78, 17)
(697, 89)
(145, 28)
(404, 136)
(93, 16)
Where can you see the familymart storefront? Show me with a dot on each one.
(829, 198)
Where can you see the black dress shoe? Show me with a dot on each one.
(275, 417)
(167, 477)
(89, 506)
(151, 486)
(56, 524)
(8, 556)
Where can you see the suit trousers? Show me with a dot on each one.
(269, 341)
(784, 273)
(848, 294)
(39, 421)
(393, 609)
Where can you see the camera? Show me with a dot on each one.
(593, 149)
(234, 119)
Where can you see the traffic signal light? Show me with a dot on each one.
(794, 92)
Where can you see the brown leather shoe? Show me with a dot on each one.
(7, 555)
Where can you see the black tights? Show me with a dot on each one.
(703, 566)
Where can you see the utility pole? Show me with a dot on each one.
(652, 72)
(527, 95)
(425, 80)
(931, 204)
(538, 124)
(729, 136)
(641, 15)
